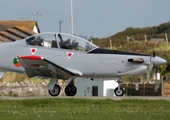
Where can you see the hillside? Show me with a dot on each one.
(135, 34)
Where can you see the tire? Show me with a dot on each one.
(119, 93)
(55, 91)
(70, 90)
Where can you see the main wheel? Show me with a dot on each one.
(70, 90)
(56, 90)
(119, 93)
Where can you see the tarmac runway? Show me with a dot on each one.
(94, 98)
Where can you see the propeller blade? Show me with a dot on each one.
(149, 70)
(156, 80)
(153, 51)
(151, 65)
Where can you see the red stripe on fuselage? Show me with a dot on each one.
(31, 57)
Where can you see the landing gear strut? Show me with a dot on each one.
(119, 91)
(53, 88)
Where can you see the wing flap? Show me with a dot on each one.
(39, 66)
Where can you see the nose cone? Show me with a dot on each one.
(158, 60)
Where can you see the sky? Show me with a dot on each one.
(97, 18)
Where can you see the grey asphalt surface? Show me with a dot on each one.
(94, 98)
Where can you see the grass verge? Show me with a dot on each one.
(83, 109)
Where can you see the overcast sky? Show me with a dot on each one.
(99, 18)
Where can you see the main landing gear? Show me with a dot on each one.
(119, 91)
(54, 89)
(70, 90)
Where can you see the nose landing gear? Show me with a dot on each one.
(119, 91)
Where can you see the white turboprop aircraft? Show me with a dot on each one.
(63, 56)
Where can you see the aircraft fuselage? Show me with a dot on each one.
(91, 65)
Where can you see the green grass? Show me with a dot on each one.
(84, 109)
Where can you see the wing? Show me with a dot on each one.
(39, 66)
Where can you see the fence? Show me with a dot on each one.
(146, 89)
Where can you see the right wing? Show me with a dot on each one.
(39, 66)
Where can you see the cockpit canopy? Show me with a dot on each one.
(60, 40)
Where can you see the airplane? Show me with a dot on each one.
(63, 56)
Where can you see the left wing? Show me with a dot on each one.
(39, 66)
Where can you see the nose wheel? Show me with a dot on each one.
(119, 91)
(70, 90)
(56, 90)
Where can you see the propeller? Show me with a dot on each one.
(156, 80)
(149, 70)
(152, 67)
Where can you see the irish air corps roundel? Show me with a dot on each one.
(16, 62)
